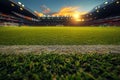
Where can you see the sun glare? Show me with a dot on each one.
(76, 16)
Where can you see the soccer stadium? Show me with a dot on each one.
(59, 39)
(15, 13)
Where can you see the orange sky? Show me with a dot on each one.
(66, 11)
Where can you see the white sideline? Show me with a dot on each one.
(60, 49)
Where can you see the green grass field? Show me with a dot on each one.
(60, 67)
(59, 35)
(51, 66)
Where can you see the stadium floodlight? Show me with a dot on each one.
(106, 2)
(117, 2)
(19, 3)
(21, 9)
(23, 5)
(97, 11)
(12, 5)
(96, 8)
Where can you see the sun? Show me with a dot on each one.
(76, 16)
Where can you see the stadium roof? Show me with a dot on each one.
(107, 9)
(12, 7)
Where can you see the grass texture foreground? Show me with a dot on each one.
(59, 66)
(59, 35)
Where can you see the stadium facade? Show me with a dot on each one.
(16, 13)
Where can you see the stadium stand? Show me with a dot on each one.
(107, 14)
(17, 14)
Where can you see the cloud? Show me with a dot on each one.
(45, 9)
(69, 11)
(65, 11)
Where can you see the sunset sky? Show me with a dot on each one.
(55, 5)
